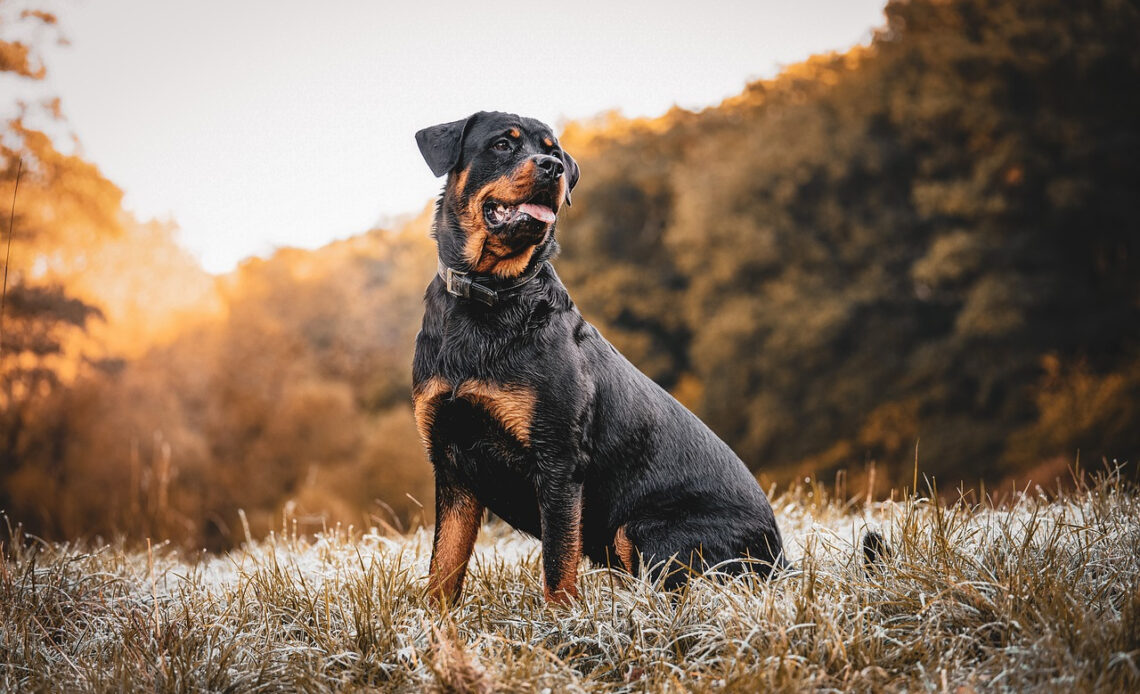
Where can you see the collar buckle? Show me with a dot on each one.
(457, 283)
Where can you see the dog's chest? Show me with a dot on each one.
(509, 407)
(469, 373)
(481, 431)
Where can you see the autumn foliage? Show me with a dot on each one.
(927, 246)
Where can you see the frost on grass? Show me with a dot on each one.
(1042, 595)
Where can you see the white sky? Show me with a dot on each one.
(262, 124)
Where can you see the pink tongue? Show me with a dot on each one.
(539, 212)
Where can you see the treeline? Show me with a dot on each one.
(290, 402)
(140, 396)
(927, 243)
(930, 243)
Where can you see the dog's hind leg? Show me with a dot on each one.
(676, 550)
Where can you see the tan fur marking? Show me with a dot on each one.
(572, 557)
(624, 548)
(512, 188)
(455, 537)
(568, 583)
(459, 183)
(563, 186)
(512, 266)
(477, 235)
(512, 406)
(425, 401)
(515, 133)
(484, 251)
(548, 142)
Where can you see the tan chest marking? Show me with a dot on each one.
(425, 401)
(512, 406)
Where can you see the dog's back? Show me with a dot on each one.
(665, 478)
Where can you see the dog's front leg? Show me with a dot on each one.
(560, 508)
(457, 517)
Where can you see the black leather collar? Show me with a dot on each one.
(462, 285)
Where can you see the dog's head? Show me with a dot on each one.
(507, 177)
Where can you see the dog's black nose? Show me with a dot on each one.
(551, 166)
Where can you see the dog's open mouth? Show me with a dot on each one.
(539, 208)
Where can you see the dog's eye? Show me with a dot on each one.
(502, 144)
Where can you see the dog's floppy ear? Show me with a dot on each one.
(442, 144)
(571, 174)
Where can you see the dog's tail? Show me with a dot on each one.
(876, 551)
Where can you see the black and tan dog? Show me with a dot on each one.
(526, 410)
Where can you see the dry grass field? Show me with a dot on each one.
(1042, 594)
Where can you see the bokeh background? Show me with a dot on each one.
(920, 253)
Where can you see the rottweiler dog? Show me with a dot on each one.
(526, 410)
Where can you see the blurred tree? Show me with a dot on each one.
(87, 284)
(19, 23)
(930, 241)
(882, 246)
(62, 204)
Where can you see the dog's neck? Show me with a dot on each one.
(460, 285)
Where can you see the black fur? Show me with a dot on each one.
(440, 145)
(876, 551)
(602, 434)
